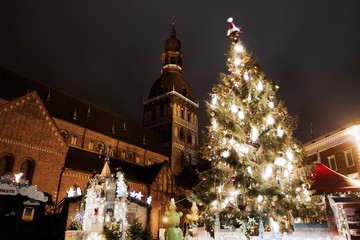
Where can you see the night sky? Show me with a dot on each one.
(108, 52)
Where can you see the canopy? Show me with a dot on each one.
(327, 180)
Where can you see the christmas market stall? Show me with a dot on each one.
(344, 217)
(22, 208)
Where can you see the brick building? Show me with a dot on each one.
(338, 150)
(59, 141)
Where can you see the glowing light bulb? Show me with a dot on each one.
(280, 161)
(214, 125)
(254, 134)
(246, 76)
(260, 86)
(270, 120)
(286, 173)
(241, 114)
(290, 155)
(268, 172)
(237, 62)
(214, 100)
(249, 170)
(234, 108)
(271, 105)
(239, 48)
(225, 153)
(280, 131)
(260, 198)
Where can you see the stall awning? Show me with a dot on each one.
(327, 180)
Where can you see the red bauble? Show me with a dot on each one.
(203, 178)
(232, 179)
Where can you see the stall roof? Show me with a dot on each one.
(327, 180)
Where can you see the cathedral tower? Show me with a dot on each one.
(171, 110)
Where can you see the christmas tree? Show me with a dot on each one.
(257, 167)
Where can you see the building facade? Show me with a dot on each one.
(58, 141)
(338, 150)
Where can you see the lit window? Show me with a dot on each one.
(349, 158)
(332, 162)
(73, 140)
(91, 145)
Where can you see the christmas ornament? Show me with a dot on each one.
(233, 31)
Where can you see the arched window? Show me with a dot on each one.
(91, 145)
(176, 132)
(27, 168)
(181, 134)
(182, 113)
(6, 164)
(189, 137)
(73, 140)
(179, 110)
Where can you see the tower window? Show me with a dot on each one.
(182, 113)
(181, 134)
(189, 139)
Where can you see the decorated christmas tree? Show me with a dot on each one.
(258, 168)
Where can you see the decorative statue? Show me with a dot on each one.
(173, 232)
(193, 216)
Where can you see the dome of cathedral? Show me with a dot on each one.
(173, 44)
(169, 81)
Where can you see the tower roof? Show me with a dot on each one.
(171, 81)
(172, 43)
(171, 78)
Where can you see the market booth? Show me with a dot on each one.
(345, 215)
(22, 209)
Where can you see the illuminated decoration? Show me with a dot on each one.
(270, 120)
(105, 204)
(133, 194)
(17, 177)
(10, 185)
(139, 195)
(251, 151)
(149, 200)
(280, 161)
(234, 108)
(241, 114)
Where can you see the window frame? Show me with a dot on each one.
(330, 158)
(347, 159)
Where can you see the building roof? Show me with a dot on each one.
(85, 161)
(64, 106)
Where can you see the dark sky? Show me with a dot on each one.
(108, 52)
